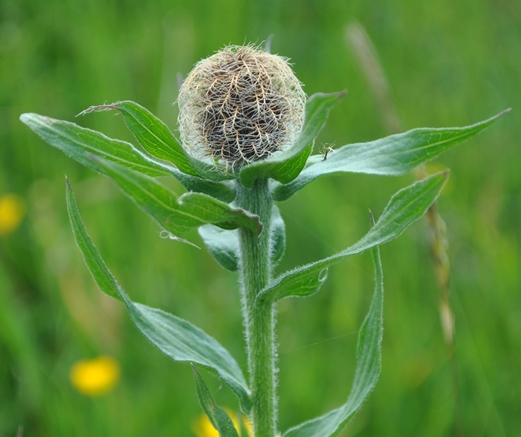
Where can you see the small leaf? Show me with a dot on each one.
(278, 237)
(81, 143)
(222, 244)
(286, 166)
(220, 190)
(155, 137)
(367, 369)
(219, 213)
(175, 337)
(151, 133)
(404, 208)
(177, 215)
(393, 155)
(217, 416)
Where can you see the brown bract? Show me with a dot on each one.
(240, 105)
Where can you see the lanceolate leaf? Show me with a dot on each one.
(224, 244)
(177, 215)
(367, 368)
(219, 213)
(278, 237)
(217, 416)
(81, 144)
(155, 137)
(151, 133)
(173, 336)
(220, 190)
(286, 166)
(393, 155)
(404, 208)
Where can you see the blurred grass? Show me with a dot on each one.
(447, 63)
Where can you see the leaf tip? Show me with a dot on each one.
(97, 108)
(446, 174)
(371, 218)
(495, 117)
(68, 186)
(31, 119)
(504, 112)
(443, 176)
(69, 197)
(341, 94)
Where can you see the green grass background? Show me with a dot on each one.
(448, 63)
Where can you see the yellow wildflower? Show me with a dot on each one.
(11, 212)
(95, 377)
(202, 427)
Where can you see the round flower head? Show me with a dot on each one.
(240, 105)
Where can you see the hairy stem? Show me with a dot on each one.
(259, 321)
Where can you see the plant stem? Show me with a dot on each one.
(259, 321)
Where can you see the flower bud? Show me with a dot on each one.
(240, 105)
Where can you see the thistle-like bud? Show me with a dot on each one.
(240, 105)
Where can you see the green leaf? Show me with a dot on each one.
(278, 237)
(81, 143)
(151, 133)
(404, 208)
(155, 137)
(175, 337)
(177, 215)
(223, 244)
(286, 166)
(217, 416)
(367, 369)
(219, 213)
(393, 155)
(220, 190)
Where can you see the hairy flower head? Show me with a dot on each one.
(240, 105)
